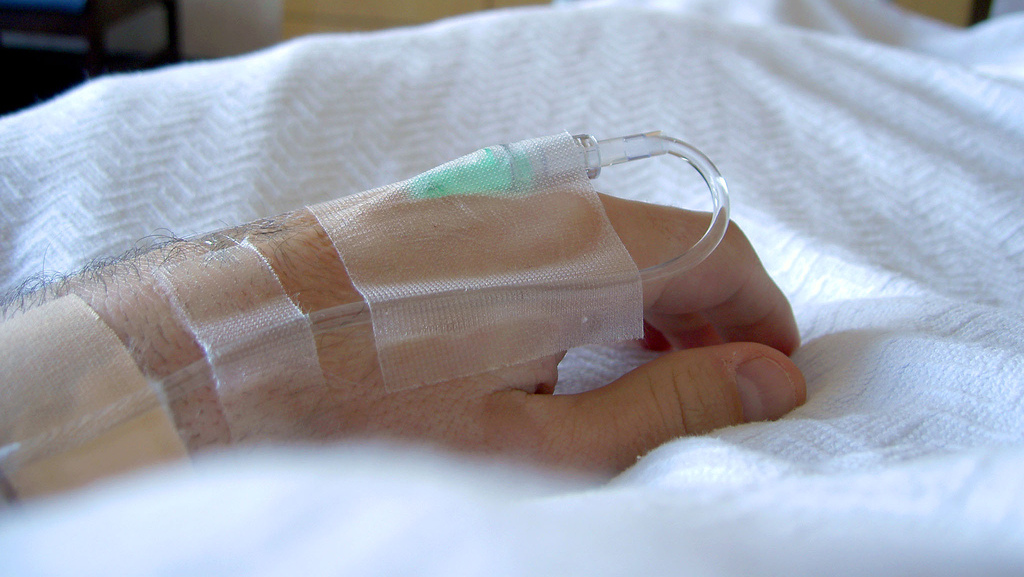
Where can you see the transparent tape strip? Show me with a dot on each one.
(496, 258)
(75, 406)
(599, 154)
(258, 343)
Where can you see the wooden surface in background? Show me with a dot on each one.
(956, 12)
(310, 16)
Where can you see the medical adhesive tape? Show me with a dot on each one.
(74, 405)
(497, 258)
(258, 343)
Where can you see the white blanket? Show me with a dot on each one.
(882, 185)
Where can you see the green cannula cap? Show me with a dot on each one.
(495, 171)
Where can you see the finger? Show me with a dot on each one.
(730, 290)
(680, 331)
(682, 393)
(750, 306)
(654, 339)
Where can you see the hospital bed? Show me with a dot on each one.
(875, 160)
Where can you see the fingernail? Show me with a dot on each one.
(654, 340)
(766, 390)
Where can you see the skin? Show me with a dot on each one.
(725, 327)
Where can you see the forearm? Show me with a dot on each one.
(127, 296)
(728, 298)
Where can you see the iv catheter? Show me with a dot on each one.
(599, 154)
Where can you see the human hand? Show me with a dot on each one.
(729, 325)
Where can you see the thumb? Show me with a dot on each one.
(682, 393)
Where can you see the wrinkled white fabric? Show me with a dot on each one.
(497, 258)
(995, 46)
(881, 187)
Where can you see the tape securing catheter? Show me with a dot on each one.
(255, 339)
(75, 407)
(496, 258)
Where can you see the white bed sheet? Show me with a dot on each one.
(881, 182)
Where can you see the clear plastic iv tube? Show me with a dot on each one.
(598, 154)
(601, 153)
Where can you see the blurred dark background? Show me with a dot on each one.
(33, 75)
(51, 45)
(48, 46)
(30, 76)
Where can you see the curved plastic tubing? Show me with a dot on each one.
(598, 154)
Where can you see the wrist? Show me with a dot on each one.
(305, 261)
(127, 297)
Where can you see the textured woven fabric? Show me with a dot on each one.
(880, 186)
(497, 258)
